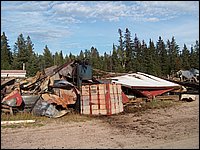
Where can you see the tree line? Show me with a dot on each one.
(129, 55)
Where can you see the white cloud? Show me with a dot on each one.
(53, 20)
(76, 11)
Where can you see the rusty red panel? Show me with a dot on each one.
(14, 94)
(152, 93)
(124, 98)
(50, 98)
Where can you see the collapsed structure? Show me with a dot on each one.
(57, 90)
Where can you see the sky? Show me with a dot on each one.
(72, 26)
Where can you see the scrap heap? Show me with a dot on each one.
(50, 92)
(57, 90)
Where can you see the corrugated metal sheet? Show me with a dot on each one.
(101, 99)
(141, 80)
(147, 85)
(13, 73)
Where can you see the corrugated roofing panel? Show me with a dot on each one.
(142, 80)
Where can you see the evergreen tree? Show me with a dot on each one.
(143, 57)
(151, 59)
(185, 58)
(81, 56)
(56, 59)
(192, 57)
(162, 57)
(196, 55)
(33, 66)
(22, 54)
(137, 55)
(61, 59)
(67, 59)
(115, 61)
(71, 57)
(6, 54)
(15, 63)
(129, 51)
(48, 58)
(173, 56)
(41, 62)
(32, 63)
(121, 52)
(106, 64)
(95, 58)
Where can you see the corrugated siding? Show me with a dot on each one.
(13, 73)
(101, 99)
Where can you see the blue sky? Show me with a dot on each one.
(72, 26)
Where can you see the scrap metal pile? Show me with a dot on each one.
(57, 90)
(51, 92)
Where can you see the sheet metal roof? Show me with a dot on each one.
(142, 80)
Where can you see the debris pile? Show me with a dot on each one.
(51, 92)
(57, 90)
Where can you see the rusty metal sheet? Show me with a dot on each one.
(48, 71)
(69, 96)
(13, 99)
(67, 69)
(51, 98)
(7, 82)
(45, 84)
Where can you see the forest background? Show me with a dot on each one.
(129, 55)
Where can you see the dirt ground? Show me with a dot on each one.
(173, 128)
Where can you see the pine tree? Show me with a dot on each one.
(81, 56)
(71, 57)
(162, 57)
(48, 58)
(32, 63)
(56, 59)
(196, 54)
(106, 64)
(33, 66)
(61, 59)
(144, 57)
(67, 59)
(6, 54)
(185, 58)
(121, 52)
(151, 65)
(95, 58)
(137, 54)
(22, 55)
(129, 51)
(115, 61)
(173, 56)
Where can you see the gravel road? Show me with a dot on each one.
(174, 127)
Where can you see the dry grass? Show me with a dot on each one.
(76, 117)
(40, 120)
(153, 104)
